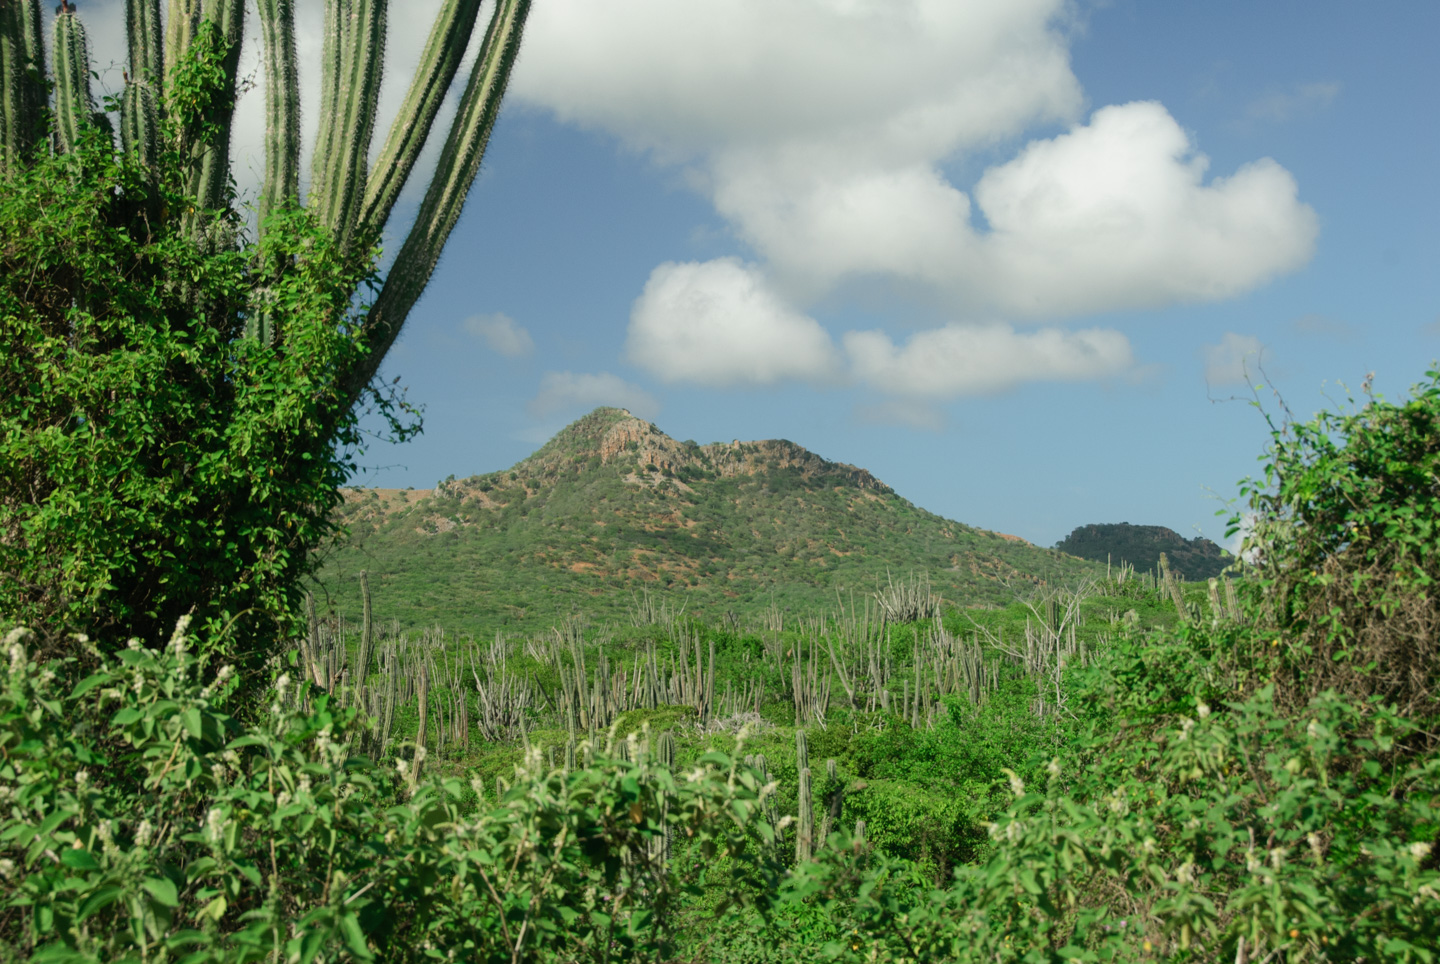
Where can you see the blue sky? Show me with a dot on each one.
(1014, 257)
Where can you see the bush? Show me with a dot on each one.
(172, 437)
(1346, 540)
(139, 821)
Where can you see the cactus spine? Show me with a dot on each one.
(74, 104)
(282, 107)
(22, 80)
(352, 59)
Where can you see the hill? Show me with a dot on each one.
(612, 506)
(1198, 558)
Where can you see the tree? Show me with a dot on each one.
(179, 399)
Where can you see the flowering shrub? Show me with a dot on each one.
(139, 821)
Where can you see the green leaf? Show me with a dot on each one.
(162, 889)
(354, 937)
(89, 683)
(78, 859)
(99, 900)
(193, 722)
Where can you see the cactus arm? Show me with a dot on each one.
(210, 174)
(140, 104)
(12, 96)
(337, 14)
(147, 41)
(339, 177)
(74, 105)
(140, 122)
(459, 163)
(23, 91)
(181, 20)
(282, 106)
(444, 50)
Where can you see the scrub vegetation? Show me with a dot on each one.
(993, 753)
(1129, 768)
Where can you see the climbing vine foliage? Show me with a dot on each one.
(154, 460)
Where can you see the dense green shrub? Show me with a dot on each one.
(139, 821)
(1346, 546)
(171, 432)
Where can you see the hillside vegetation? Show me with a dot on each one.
(612, 506)
(1141, 547)
(1128, 768)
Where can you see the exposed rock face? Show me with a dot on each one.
(613, 433)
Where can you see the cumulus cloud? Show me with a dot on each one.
(718, 323)
(884, 78)
(562, 392)
(1116, 214)
(820, 129)
(1234, 361)
(501, 334)
(961, 360)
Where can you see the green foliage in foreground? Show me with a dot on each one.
(141, 822)
(154, 459)
(1194, 794)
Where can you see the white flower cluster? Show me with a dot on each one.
(179, 640)
(15, 646)
(215, 826)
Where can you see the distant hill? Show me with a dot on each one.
(1196, 559)
(612, 505)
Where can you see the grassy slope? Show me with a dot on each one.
(612, 506)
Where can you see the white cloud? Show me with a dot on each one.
(819, 128)
(578, 392)
(501, 333)
(961, 360)
(1281, 105)
(912, 78)
(718, 323)
(1116, 214)
(1234, 361)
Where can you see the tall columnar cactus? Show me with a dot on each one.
(354, 199)
(282, 108)
(665, 750)
(22, 80)
(805, 829)
(74, 104)
(140, 104)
